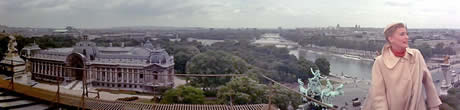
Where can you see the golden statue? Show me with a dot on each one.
(446, 59)
(12, 51)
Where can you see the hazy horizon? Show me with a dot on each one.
(229, 14)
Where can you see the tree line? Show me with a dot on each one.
(229, 57)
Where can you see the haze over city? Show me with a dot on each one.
(232, 14)
(229, 54)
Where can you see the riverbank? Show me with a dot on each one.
(344, 53)
(360, 55)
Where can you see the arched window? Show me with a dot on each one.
(155, 75)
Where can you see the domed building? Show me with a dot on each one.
(144, 68)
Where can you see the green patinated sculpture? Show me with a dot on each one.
(315, 88)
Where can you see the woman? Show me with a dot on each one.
(400, 75)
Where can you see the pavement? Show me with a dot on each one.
(78, 91)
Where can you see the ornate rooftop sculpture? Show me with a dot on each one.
(315, 88)
(12, 62)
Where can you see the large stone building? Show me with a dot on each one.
(145, 68)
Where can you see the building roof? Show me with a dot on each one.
(100, 104)
(60, 30)
(136, 56)
(34, 46)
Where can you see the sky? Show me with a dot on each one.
(229, 13)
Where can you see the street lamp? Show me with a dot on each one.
(453, 78)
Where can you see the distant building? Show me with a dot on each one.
(144, 69)
(68, 31)
(274, 39)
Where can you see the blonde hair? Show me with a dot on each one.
(390, 29)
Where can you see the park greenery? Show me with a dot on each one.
(323, 65)
(214, 62)
(3, 45)
(183, 95)
(244, 90)
(439, 49)
(240, 57)
(274, 62)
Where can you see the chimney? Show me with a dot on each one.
(122, 44)
(110, 44)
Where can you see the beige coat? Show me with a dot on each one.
(398, 82)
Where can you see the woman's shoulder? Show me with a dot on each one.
(415, 52)
(378, 59)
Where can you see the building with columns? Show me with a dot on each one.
(144, 68)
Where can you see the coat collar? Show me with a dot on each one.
(390, 60)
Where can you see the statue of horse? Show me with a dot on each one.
(330, 92)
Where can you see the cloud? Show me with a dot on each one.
(222, 13)
(399, 3)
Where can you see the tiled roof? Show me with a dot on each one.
(123, 105)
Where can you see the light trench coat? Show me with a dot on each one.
(398, 83)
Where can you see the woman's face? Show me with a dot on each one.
(399, 39)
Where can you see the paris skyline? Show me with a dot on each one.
(229, 14)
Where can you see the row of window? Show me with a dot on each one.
(118, 85)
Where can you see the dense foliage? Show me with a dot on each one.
(3, 45)
(323, 65)
(183, 95)
(214, 62)
(425, 49)
(244, 90)
(439, 49)
(48, 41)
(273, 62)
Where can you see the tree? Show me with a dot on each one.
(48, 41)
(276, 63)
(426, 50)
(242, 90)
(305, 66)
(323, 65)
(438, 48)
(3, 45)
(214, 62)
(182, 55)
(183, 95)
(282, 97)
